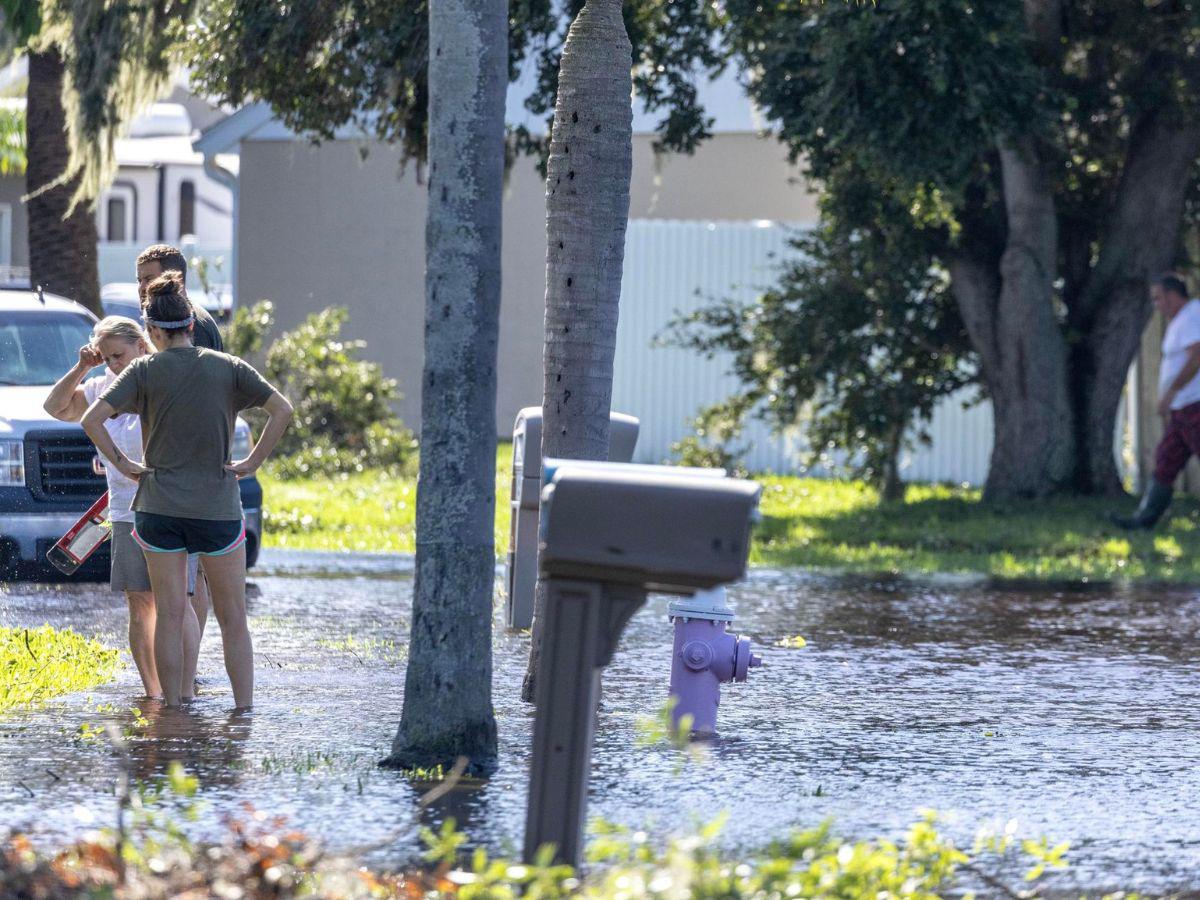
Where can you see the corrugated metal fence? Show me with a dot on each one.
(675, 267)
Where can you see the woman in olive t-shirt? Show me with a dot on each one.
(187, 500)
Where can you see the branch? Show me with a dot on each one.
(1143, 231)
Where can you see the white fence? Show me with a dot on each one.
(674, 267)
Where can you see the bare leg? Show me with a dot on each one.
(141, 639)
(200, 601)
(191, 652)
(168, 577)
(227, 586)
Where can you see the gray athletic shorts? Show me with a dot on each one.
(129, 571)
(128, 562)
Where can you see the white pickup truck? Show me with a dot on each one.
(49, 473)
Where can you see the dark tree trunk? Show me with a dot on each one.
(1010, 317)
(62, 247)
(1142, 240)
(447, 690)
(587, 208)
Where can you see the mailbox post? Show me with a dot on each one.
(609, 534)
(520, 571)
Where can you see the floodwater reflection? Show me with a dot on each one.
(1070, 709)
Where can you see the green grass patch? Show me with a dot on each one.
(808, 522)
(37, 664)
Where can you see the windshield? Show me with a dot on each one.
(39, 347)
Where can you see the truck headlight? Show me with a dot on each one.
(242, 443)
(12, 464)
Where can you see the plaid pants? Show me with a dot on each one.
(1180, 441)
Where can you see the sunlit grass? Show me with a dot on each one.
(808, 522)
(37, 664)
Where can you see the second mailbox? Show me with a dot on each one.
(520, 571)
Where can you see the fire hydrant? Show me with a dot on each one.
(705, 655)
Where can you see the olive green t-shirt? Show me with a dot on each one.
(188, 399)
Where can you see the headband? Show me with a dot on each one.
(179, 323)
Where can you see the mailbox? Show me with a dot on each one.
(610, 533)
(520, 571)
(667, 531)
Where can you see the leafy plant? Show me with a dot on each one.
(343, 421)
(39, 663)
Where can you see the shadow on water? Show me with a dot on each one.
(1072, 710)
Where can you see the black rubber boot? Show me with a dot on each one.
(1154, 503)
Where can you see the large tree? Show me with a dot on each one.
(857, 342)
(447, 691)
(62, 235)
(92, 67)
(1052, 144)
(587, 208)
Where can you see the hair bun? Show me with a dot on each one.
(165, 284)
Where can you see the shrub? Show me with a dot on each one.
(39, 663)
(343, 419)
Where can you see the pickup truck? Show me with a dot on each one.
(49, 471)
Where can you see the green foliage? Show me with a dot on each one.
(119, 58)
(362, 63)
(39, 663)
(858, 341)
(247, 331)
(12, 141)
(711, 443)
(343, 420)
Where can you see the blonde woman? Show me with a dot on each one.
(117, 342)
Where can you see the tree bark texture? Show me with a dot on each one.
(62, 247)
(447, 692)
(587, 208)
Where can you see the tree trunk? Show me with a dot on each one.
(1022, 351)
(447, 690)
(587, 208)
(894, 488)
(62, 247)
(1142, 241)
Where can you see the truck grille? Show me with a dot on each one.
(64, 467)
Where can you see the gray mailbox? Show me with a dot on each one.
(520, 571)
(610, 533)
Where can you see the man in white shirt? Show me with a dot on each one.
(1178, 398)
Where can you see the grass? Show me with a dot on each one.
(812, 523)
(37, 664)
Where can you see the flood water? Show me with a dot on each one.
(1074, 711)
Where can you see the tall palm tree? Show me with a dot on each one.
(587, 208)
(447, 691)
(62, 245)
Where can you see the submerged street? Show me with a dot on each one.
(1071, 711)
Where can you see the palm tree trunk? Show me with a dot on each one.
(62, 247)
(587, 208)
(447, 691)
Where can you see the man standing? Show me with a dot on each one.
(1179, 398)
(159, 258)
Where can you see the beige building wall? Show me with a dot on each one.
(321, 225)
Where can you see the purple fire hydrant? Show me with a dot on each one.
(705, 655)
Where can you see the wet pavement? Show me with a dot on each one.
(1074, 711)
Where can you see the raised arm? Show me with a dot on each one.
(279, 414)
(66, 400)
(93, 423)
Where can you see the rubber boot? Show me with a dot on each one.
(1154, 503)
